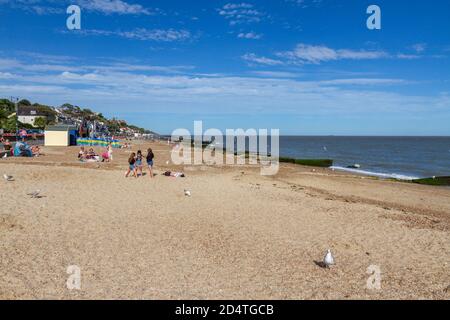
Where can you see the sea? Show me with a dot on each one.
(404, 158)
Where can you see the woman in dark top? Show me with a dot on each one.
(150, 157)
(131, 165)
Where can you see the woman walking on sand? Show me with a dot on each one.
(139, 158)
(150, 157)
(131, 165)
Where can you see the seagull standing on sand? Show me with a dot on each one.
(34, 194)
(8, 178)
(187, 193)
(328, 260)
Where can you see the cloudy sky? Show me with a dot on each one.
(303, 66)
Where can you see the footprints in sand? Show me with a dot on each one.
(239, 176)
(8, 223)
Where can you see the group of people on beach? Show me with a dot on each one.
(90, 155)
(23, 149)
(135, 163)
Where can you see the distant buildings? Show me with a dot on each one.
(28, 115)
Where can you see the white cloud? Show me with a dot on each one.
(157, 34)
(253, 58)
(240, 13)
(408, 56)
(243, 95)
(363, 81)
(113, 7)
(250, 35)
(6, 75)
(315, 54)
(419, 47)
(44, 7)
(148, 89)
(168, 35)
(305, 3)
(275, 74)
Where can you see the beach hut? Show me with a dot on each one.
(60, 136)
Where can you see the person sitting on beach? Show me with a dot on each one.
(91, 154)
(82, 154)
(139, 162)
(36, 151)
(131, 165)
(174, 174)
(150, 157)
(7, 145)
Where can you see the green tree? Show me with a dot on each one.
(7, 105)
(3, 114)
(40, 122)
(9, 124)
(24, 102)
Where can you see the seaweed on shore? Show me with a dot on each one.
(323, 163)
(436, 181)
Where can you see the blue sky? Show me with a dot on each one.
(306, 67)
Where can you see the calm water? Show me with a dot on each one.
(400, 157)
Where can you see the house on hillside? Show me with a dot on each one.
(28, 114)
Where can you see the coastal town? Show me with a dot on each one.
(34, 117)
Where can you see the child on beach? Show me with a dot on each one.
(110, 151)
(150, 157)
(139, 162)
(81, 154)
(131, 165)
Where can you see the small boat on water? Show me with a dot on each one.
(354, 166)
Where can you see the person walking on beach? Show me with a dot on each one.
(150, 157)
(139, 158)
(131, 165)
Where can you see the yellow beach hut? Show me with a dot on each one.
(60, 136)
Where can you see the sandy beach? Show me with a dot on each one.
(239, 236)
